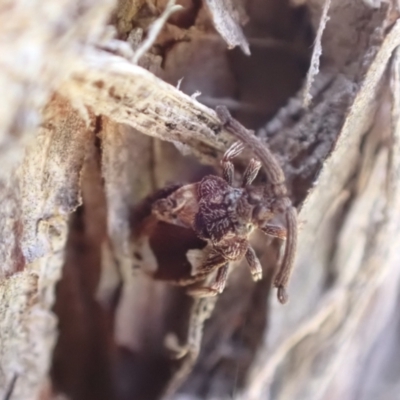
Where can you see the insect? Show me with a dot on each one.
(221, 217)
(189, 234)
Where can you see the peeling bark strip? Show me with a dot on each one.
(154, 30)
(316, 55)
(226, 20)
(131, 95)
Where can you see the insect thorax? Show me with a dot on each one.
(224, 211)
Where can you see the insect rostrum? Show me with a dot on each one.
(224, 216)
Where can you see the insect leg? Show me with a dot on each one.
(283, 275)
(212, 262)
(251, 172)
(275, 231)
(216, 288)
(222, 277)
(179, 207)
(254, 264)
(271, 166)
(226, 162)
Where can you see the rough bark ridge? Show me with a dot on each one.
(104, 102)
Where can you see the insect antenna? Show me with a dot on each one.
(272, 168)
(276, 178)
(283, 275)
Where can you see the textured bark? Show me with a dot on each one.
(92, 122)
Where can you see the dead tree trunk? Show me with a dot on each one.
(100, 109)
